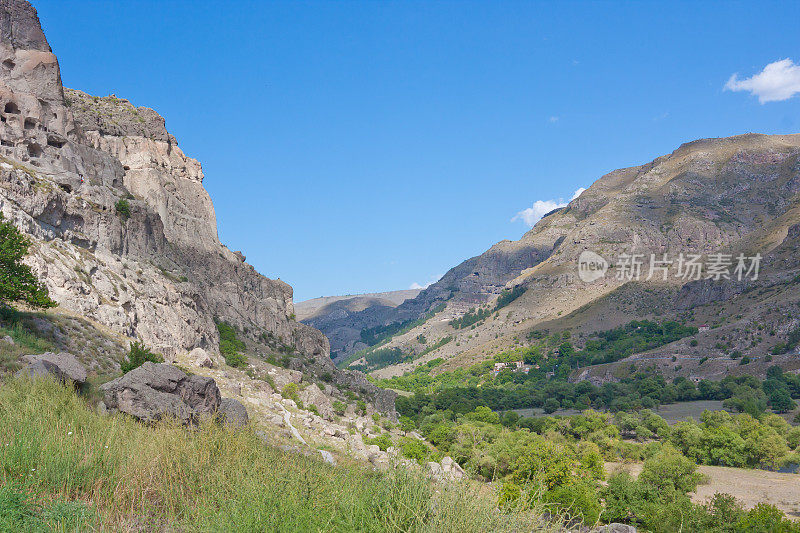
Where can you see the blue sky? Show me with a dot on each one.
(366, 146)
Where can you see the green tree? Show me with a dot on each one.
(17, 282)
(669, 471)
(781, 401)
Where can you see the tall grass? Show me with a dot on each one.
(17, 326)
(64, 467)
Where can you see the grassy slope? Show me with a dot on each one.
(64, 467)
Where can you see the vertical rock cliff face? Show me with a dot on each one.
(69, 165)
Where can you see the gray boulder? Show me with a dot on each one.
(232, 413)
(69, 366)
(42, 369)
(155, 391)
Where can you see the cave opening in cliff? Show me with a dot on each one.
(11, 107)
(34, 150)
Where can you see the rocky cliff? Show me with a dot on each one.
(124, 232)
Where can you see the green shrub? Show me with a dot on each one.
(123, 209)
(339, 407)
(670, 471)
(407, 423)
(230, 346)
(138, 355)
(577, 501)
(382, 441)
(414, 449)
(236, 360)
(509, 495)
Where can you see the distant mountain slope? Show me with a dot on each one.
(337, 316)
(356, 302)
(728, 195)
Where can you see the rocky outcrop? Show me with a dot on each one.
(124, 231)
(67, 364)
(155, 391)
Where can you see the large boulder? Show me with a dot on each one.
(41, 369)
(155, 391)
(201, 358)
(232, 413)
(67, 363)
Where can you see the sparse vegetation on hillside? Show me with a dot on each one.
(230, 346)
(474, 316)
(378, 334)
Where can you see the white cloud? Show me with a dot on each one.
(778, 81)
(554, 119)
(431, 281)
(540, 208)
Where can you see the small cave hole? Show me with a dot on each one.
(65, 187)
(9, 64)
(11, 107)
(55, 143)
(30, 123)
(4, 142)
(34, 150)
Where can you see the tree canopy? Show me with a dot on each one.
(17, 281)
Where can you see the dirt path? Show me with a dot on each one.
(748, 486)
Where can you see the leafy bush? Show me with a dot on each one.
(670, 471)
(17, 281)
(290, 391)
(339, 407)
(578, 501)
(230, 346)
(137, 356)
(123, 208)
(414, 449)
(382, 441)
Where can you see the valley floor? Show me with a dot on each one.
(748, 486)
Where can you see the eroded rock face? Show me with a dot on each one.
(155, 391)
(156, 272)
